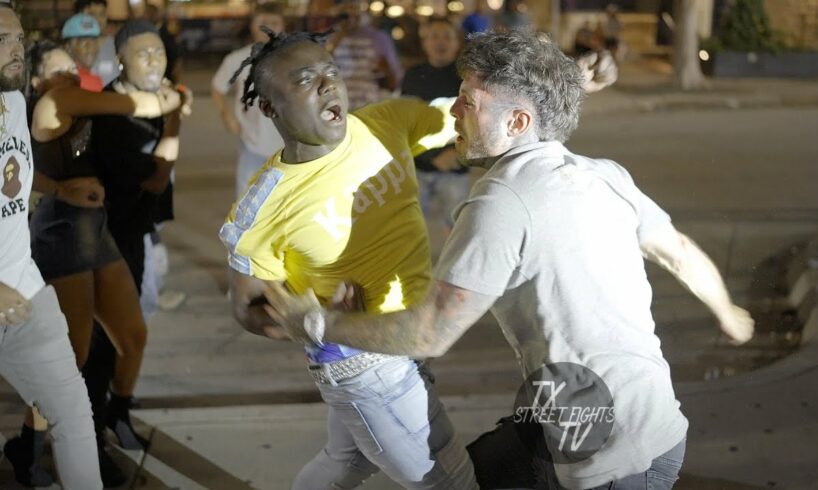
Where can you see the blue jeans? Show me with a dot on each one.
(388, 418)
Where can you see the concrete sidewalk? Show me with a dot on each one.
(646, 85)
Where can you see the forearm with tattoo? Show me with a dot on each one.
(428, 329)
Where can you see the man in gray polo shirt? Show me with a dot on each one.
(553, 243)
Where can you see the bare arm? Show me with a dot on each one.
(223, 106)
(680, 256)
(428, 329)
(165, 155)
(56, 110)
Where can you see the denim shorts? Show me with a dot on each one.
(67, 240)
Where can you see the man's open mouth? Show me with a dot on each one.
(333, 113)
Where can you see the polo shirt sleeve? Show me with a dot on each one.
(487, 242)
(651, 217)
(252, 235)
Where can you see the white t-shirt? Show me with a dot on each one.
(258, 133)
(17, 268)
(556, 236)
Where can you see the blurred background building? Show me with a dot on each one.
(205, 27)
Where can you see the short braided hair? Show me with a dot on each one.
(262, 51)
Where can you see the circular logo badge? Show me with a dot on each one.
(568, 408)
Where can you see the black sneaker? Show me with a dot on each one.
(125, 434)
(27, 472)
(112, 474)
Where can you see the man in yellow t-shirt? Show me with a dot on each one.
(339, 202)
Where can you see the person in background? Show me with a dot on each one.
(513, 16)
(134, 157)
(106, 65)
(80, 33)
(155, 14)
(586, 40)
(477, 21)
(612, 31)
(438, 173)
(259, 138)
(157, 263)
(35, 353)
(365, 55)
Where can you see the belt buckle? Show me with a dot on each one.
(345, 368)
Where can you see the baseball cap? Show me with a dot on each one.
(80, 25)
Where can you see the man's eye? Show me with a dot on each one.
(305, 81)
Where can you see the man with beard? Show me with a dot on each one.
(553, 243)
(134, 159)
(35, 354)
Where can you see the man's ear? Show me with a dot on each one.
(520, 121)
(266, 107)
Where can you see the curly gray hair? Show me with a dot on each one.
(531, 70)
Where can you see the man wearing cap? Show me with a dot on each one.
(81, 34)
(106, 65)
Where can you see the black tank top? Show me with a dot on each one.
(68, 156)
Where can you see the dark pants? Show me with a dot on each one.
(99, 368)
(515, 456)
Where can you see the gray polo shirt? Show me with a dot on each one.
(556, 237)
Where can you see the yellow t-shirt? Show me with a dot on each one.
(352, 214)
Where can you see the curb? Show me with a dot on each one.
(681, 102)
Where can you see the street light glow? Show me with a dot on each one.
(495, 4)
(425, 10)
(394, 11)
(704, 55)
(376, 6)
(456, 6)
(398, 33)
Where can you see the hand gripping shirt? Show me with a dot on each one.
(352, 214)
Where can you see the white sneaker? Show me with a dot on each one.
(169, 300)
